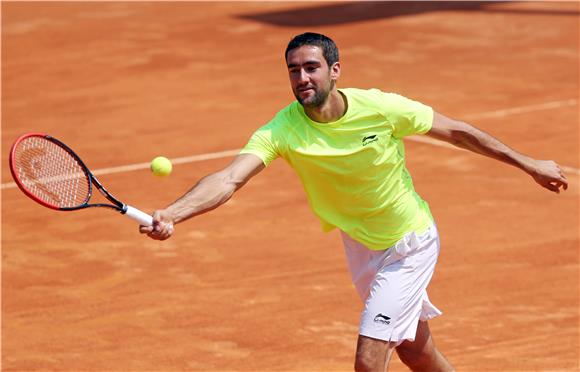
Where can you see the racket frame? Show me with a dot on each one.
(92, 180)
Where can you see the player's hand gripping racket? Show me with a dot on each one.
(50, 173)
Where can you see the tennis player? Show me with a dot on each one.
(346, 145)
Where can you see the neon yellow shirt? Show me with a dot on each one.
(353, 170)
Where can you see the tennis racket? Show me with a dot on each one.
(50, 173)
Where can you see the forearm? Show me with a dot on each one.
(476, 140)
(209, 193)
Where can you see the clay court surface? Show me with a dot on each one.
(256, 286)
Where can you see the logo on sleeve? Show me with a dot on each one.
(369, 139)
(380, 318)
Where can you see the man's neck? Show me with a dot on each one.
(331, 110)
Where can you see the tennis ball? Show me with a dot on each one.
(161, 166)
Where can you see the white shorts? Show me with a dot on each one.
(393, 284)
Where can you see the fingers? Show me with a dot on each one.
(161, 229)
(555, 186)
(563, 180)
(145, 229)
(550, 176)
(552, 188)
(563, 184)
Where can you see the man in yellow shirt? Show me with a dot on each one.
(346, 146)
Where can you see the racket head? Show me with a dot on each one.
(49, 172)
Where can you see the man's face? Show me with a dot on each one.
(310, 76)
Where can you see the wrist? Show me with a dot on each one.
(527, 164)
(168, 215)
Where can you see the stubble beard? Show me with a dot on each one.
(319, 98)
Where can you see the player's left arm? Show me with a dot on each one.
(547, 173)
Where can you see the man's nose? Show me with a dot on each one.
(303, 77)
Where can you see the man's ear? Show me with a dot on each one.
(335, 71)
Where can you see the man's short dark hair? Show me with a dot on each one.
(329, 49)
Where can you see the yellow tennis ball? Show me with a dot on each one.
(161, 166)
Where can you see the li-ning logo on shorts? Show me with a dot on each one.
(369, 139)
(380, 318)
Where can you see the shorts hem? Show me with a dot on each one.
(397, 341)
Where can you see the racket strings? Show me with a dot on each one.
(51, 173)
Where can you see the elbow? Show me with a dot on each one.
(462, 134)
(467, 138)
(230, 182)
(459, 137)
(455, 132)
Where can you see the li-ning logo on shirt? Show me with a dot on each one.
(369, 139)
(380, 318)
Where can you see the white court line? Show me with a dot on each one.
(422, 139)
(183, 160)
(523, 109)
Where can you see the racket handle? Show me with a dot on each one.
(141, 217)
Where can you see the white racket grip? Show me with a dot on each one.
(139, 216)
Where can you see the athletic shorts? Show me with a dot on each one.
(392, 283)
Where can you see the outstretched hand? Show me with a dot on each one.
(549, 175)
(162, 228)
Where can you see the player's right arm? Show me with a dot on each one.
(209, 193)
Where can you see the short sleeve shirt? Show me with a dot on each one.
(353, 170)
